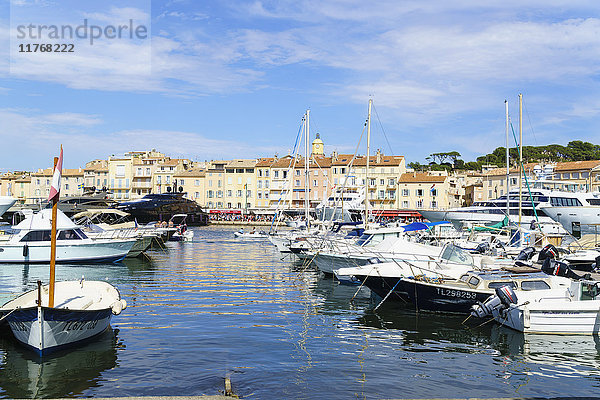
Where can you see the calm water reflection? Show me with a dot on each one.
(218, 307)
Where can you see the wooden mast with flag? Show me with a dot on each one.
(53, 197)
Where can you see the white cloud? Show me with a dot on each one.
(38, 135)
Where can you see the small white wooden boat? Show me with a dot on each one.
(82, 310)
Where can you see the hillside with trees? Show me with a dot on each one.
(575, 150)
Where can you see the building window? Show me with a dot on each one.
(419, 193)
(229, 193)
(259, 184)
(297, 172)
(267, 173)
(276, 174)
(405, 204)
(433, 192)
(297, 182)
(575, 175)
(392, 194)
(391, 182)
(382, 182)
(315, 183)
(381, 195)
(420, 203)
(267, 184)
(434, 204)
(566, 176)
(120, 171)
(405, 192)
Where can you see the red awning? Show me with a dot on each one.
(225, 211)
(396, 213)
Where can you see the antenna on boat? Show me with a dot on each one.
(507, 165)
(367, 168)
(521, 171)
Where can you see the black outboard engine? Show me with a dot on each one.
(504, 297)
(526, 254)
(558, 268)
(482, 248)
(596, 264)
(549, 251)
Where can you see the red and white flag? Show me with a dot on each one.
(55, 188)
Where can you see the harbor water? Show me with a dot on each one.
(221, 308)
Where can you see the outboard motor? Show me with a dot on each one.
(596, 264)
(558, 268)
(549, 251)
(482, 248)
(526, 254)
(504, 297)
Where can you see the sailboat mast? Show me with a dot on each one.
(520, 154)
(306, 170)
(507, 165)
(367, 167)
(53, 248)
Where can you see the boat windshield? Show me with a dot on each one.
(456, 254)
(364, 239)
(71, 234)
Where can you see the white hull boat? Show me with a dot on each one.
(574, 309)
(250, 235)
(30, 242)
(6, 202)
(83, 310)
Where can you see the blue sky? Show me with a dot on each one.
(223, 80)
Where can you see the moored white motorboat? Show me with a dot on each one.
(29, 242)
(253, 235)
(573, 308)
(82, 310)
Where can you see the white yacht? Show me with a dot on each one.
(535, 207)
(344, 205)
(29, 242)
(579, 218)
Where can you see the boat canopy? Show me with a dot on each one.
(418, 226)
